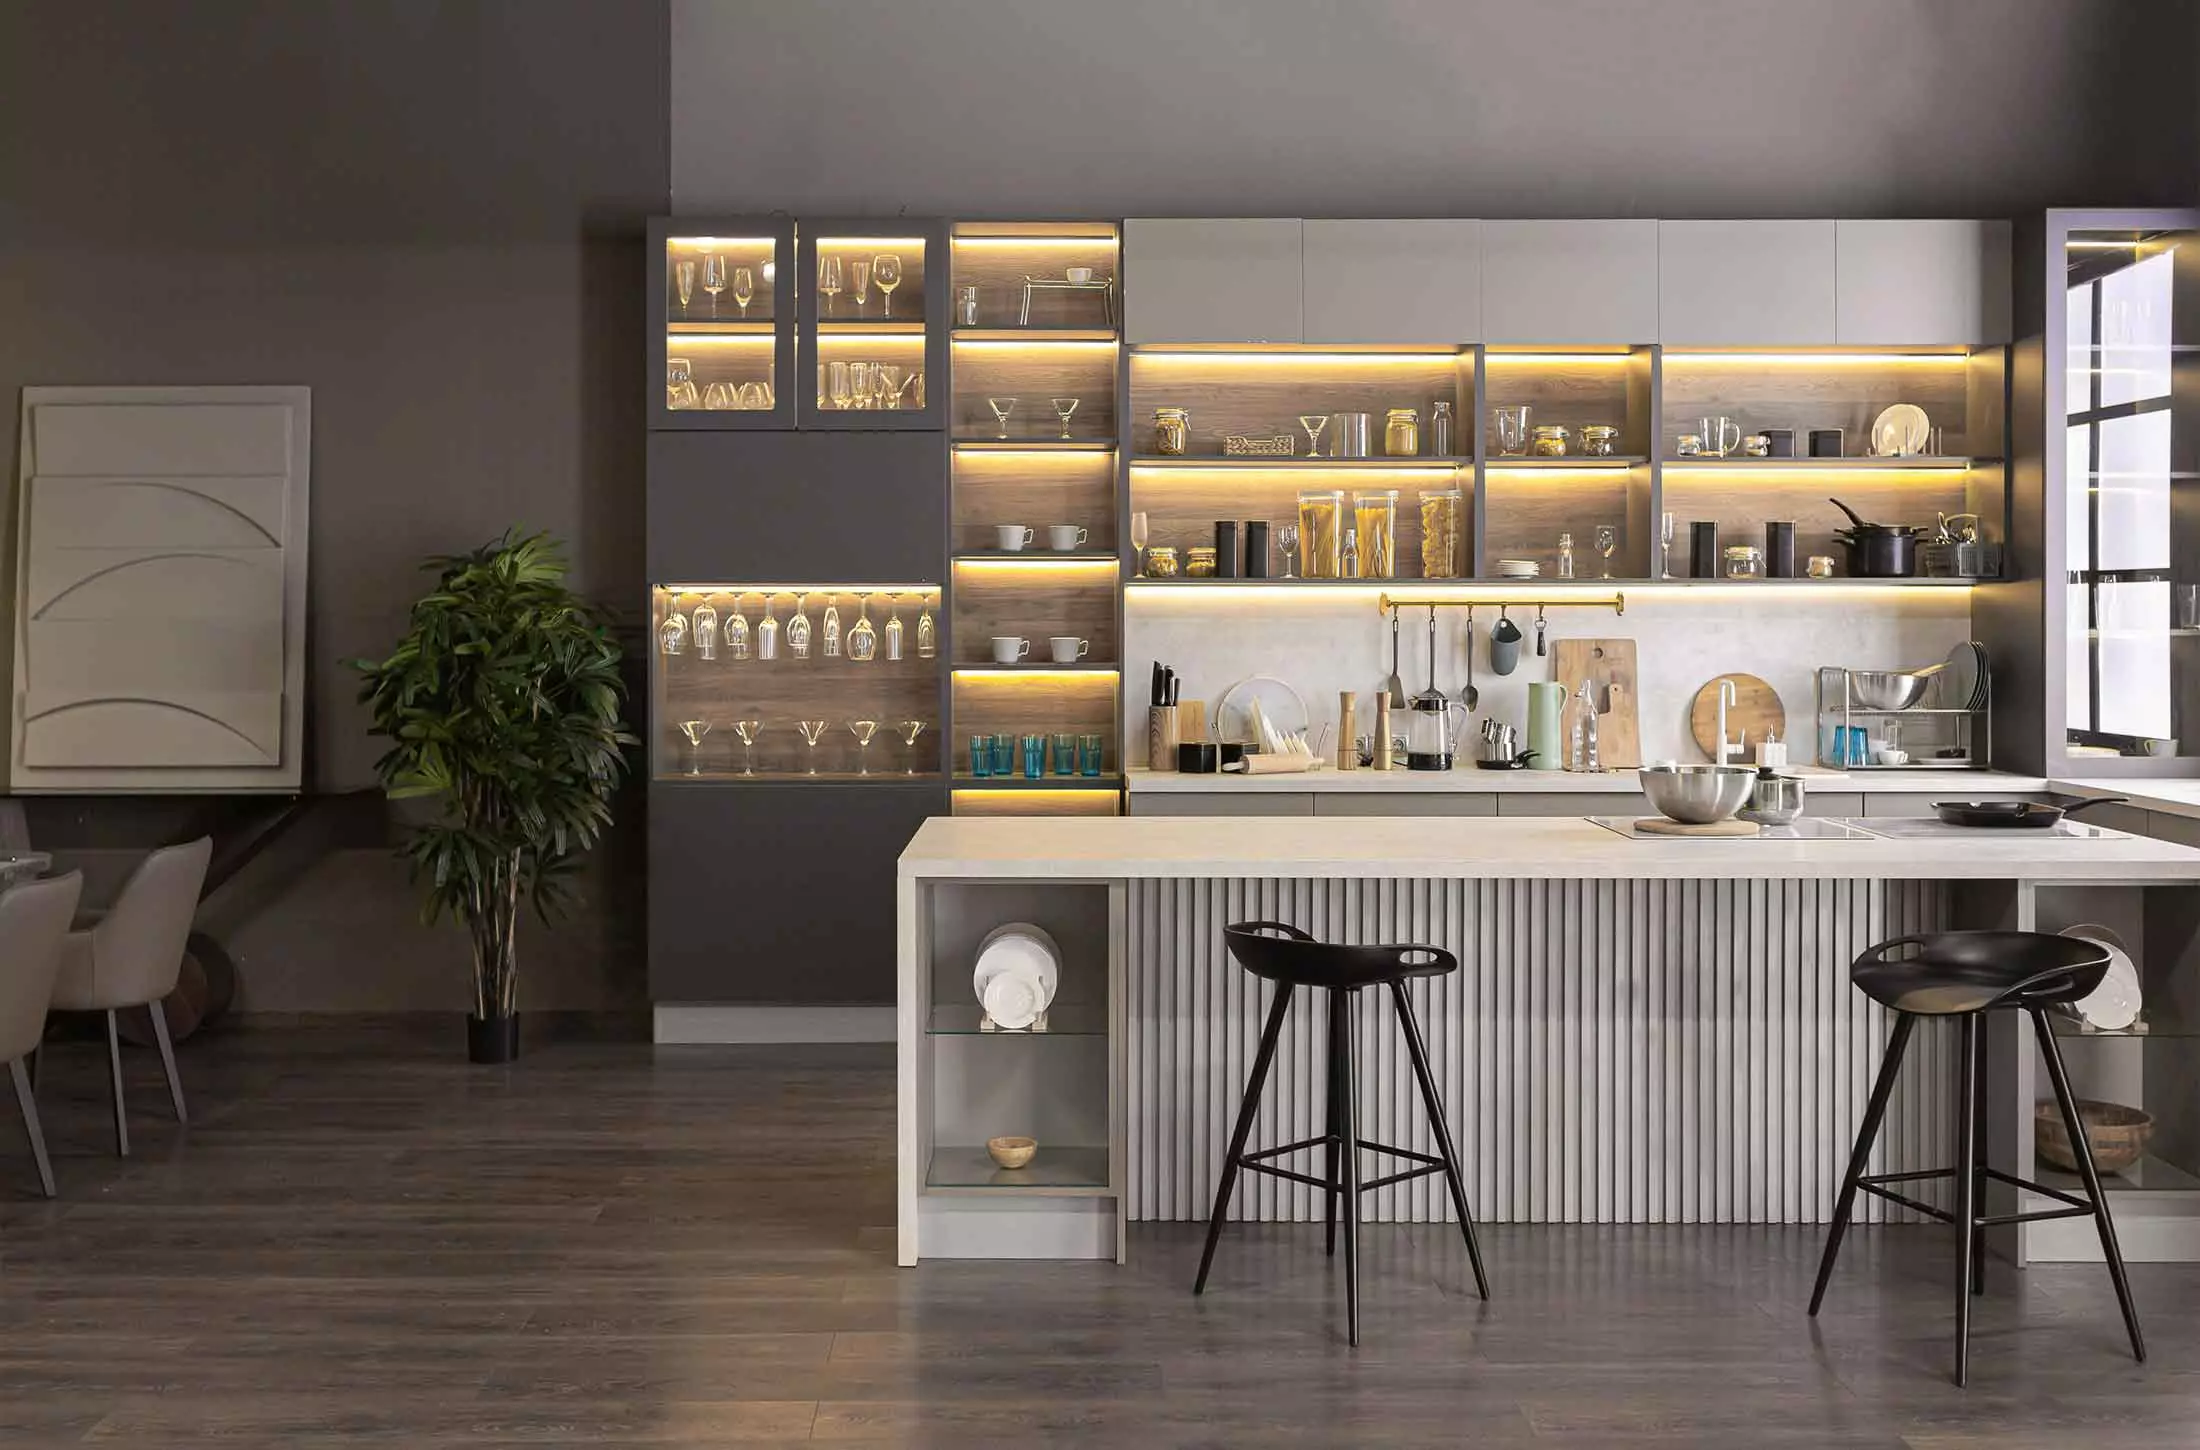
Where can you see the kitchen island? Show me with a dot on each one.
(1643, 1031)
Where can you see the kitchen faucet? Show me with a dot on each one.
(1726, 697)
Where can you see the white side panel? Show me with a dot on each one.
(183, 437)
(1923, 283)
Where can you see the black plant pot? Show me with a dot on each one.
(492, 1039)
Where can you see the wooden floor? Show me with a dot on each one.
(363, 1240)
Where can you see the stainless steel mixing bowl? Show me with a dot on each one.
(1697, 795)
(1888, 689)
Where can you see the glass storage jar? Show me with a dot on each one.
(1321, 533)
(1441, 511)
(1172, 431)
(1549, 441)
(1375, 516)
(1402, 433)
(1599, 440)
(1744, 561)
(1161, 561)
(1199, 561)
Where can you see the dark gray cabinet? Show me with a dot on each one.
(715, 363)
(902, 328)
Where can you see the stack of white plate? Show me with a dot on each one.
(1518, 568)
(1962, 681)
(1019, 967)
(2114, 1005)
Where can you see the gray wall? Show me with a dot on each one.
(1544, 108)
(429, 212)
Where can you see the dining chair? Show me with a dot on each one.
(34, 921)
(131, 959)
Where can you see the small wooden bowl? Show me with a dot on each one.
(2116, 1135)
(1012, 1152)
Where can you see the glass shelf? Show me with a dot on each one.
(1073, 1020)
(1109, 781)
(2149, 1175)
(1068, 1171)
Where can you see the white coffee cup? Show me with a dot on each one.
(1062, 538)
(1068, 648)
(1013, 537)
(1078, 275)
(1008, 649)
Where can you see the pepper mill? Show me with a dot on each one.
(1348, 714)
(1382, 731)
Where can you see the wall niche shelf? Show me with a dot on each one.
(1379, 464)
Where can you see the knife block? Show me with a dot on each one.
(1162, 738)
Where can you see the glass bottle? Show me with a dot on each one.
(798, 628)
(832, 626)
(1582, 752)
(1439, 428)
(705, 624)
(893, 626)
(1351, 567)
(736, 632)
(928, 640)
(862, 640)
(767, 634)
(1565, 556)
(672, 634)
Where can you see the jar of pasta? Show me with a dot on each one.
(1321, 533)
(1441, 512)
(1375, 515)
(1172, 431)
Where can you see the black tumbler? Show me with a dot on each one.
(1703, 549)
(1825, 442)
(1256, 549)
(1780, 550)
(1226, 549)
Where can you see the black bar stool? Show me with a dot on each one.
(1292, 959)
(1965, 974)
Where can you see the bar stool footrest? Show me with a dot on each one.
(1257, 1162)
(1875, 1185)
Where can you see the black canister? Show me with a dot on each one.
(1256, 548)
(1825, 442)
(1780, 549)
(1226, 549)
(1779, 442)
(1703, 549)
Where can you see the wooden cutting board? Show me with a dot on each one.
(1756, 709)
(1662, 826)
(1609, 667)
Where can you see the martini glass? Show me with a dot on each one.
(1001, 407)
(1313, 423)
(909, 730)
(863, 730)
(798, 628)
(812, 732)
(748, 730)
(1064, 409)
(695, 730)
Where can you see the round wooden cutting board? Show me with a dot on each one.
(1660, 826)
(1756, 709)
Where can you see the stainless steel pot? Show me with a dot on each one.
(1774, 799)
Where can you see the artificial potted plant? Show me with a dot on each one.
(501, 705)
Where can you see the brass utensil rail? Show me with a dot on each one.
(1615, 601)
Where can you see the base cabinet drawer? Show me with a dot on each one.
(1574, 803)
(1354, 803)
(1222, 803)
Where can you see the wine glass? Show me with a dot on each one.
(736, 632)
(1063, 409)
(893, 626)
(748, 730)
(683, 277)
(705, 624)
(832, 626)
(744, 289)
(928, 638)
(909, 730)
(828, 281)
(672, 634)
(1607, 544)
(714, 279)
(862, 386)
(767, 634)
(1667, 524)
(886, 271)
(863, 730)
(1141, 530)
(695, 730)
(717, 397)
(1001, 407)
(859, 284)
(863, 639)
(680, 383)
(1313, 423)
(891, 381)
(798, 628)
(1287, 544)
(812, 732)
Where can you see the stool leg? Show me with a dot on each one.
(1246, 1114)
(1977, 1164)
(1866, 1132)
(1966, 1195)
(1329, 1122)
(2068, 1102)
(1418, 1051)
(1348, 1148)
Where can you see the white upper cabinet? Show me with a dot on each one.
(1922, 283)
(1569, 282)
(1746, 284)
(1211, 280)
(1392, 281)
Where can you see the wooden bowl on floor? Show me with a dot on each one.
(1012, 1152)
(2117, 1135)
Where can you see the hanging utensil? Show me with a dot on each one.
(1539, 626)
(1469, 696)
(1395, 687)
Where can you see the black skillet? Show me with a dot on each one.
(2020, 815)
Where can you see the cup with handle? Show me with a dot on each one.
(1013, 537)
(1063, 538)
(1008, 649)
(1068, 649)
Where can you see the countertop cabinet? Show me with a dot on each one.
(1569, 282)
(1921, 283)
(1390, 281)
(1212, 280)
(1747, 283)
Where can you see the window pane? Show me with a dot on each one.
(2134, 639)
(2135, 331)
(2134, 492)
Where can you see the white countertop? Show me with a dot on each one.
(1505, 848)
(2169, 797)
(1959, 784)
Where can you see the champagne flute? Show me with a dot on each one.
(1607, 543)
(859, 284)
(748, 730)
(928, 643)
(767, 633)
(837, 385)
(832, 626)
(909, 730)
(744, 289)
(714, 279)
(812, 732)
(1001, 407)
(828, 281)
(1065, 408)
(1667, 525)
(683, 277)
(863, 730)
(893, 626)
(1141, 530)
(886, 271)
(695, 730)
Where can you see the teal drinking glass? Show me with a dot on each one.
(1065, 755)
(1035, 756)
(981, 756)
(1088, 754)
(1003, 747)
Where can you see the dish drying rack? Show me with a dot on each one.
(1943, 727)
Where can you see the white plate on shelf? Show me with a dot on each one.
(2114, 1005)
(1028, 960)
(1902, 431)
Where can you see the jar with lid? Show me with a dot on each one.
(1440, 440)
(1161, 561)
(1375, 517)
(1402, 433)
(1441, 511)
(1199, 561)
(1744, 561)
(1172, 431)
(1321, 533)
(1549, 440)
(1599, 440)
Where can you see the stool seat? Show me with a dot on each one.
(1952, 972)
(1283, 953)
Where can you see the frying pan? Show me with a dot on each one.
(2020, 815)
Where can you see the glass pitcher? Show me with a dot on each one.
(1431, 739)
